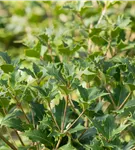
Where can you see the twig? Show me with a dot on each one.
(72, 105)
(20, 106)
(81, 19)
(103, 13)
(57, 146)
(53, 117)
(19, 138)
(110, 95)
(7, 142)
(33, 120)
(126, 99)
(108, 46)
(5, 112)
(82, 133)
(64, 114)
(133, 148)
(75, 121)
(50, 51)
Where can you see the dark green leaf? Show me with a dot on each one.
(38, 135)
(28, 71)
(83, 93)
(5, 56)
(38, 110)
(59, 111)
(36, 69)
(13, 121)
(79, 127)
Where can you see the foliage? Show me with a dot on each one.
(71, 86)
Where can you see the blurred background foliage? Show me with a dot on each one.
(22, 21)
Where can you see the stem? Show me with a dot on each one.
(53, 117)
(57, 146)
(126, 99)
(75, 121)
(110, 95)
(33, 120)
(103, 13)
(24, 114)
(108, 46)
(81, 19)
(72, 105)
(5, 112)
(20, 106)
(10, 136)
(133, 148)
(50, 51)
(82, 133)
(19, 138)
(64, 115)
(7, 142)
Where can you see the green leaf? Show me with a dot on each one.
(38, 135)
(4, 102)
(12, 79)
(98, 40)
(123, 22)
(68, 146)
(83, 93)
(28, 71)
(79, 127)
(96, 144)
(115, 32)
(88, 95)
(7, 68)
(5, 56)
(41, 91)
(129, 146)
(80, 5)
(43, 38)
(58, 111)
(13, 121)
(95, 31)
(105, 127)
(56, 72)
(108, 128)
(88, 135)
(38, 110)
(64, 50)
(120, 93)
(122, 46)
(32, 53)
(36, 69)
(95, 93)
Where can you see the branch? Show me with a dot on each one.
(126, 99)
(110, 95)
(53, 117)
(75, 121)
(19, 138)
(64, 115)
(20, 106)
(103, 13)
(7, 142)
(5, 112)
(57, 146)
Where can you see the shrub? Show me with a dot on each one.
(75, 89)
